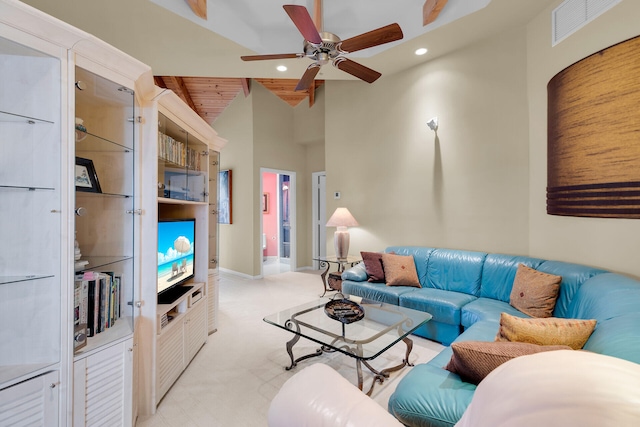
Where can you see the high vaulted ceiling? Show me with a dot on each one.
(175, 45)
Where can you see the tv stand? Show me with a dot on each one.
(181, 332)
(171, 295)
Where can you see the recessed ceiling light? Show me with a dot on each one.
(421, 51)
(281, 68)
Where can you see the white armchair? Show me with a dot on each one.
(318, 396)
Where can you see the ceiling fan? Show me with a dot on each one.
(323, 47)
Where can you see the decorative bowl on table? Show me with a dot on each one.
(344, 310)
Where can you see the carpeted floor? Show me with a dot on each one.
(233, 378)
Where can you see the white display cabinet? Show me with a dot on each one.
(183, 147)
(32, 277)
(41, 59)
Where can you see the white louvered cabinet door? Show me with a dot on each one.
(196, 331)
(170, 356)
(102, 387)
(31, 403)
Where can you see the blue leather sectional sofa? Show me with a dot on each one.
(466, 292)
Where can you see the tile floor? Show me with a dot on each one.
(233, 378)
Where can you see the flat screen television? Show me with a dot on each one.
(176, 256)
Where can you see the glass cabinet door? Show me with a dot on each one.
(30, 212)
(182, 167)
(214, 168)
(105, 221)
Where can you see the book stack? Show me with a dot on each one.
(98, 300)
(177, 152)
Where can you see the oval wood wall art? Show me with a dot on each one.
(593, 125)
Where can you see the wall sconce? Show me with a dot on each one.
(433, 124)
(342, 219)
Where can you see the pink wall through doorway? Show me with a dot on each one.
(270, 218)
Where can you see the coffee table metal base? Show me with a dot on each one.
(379, 376)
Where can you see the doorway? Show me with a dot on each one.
(277, 221)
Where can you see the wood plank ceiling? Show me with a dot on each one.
(209, 96)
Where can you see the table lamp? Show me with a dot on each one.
(342, 219)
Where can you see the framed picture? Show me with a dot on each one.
(265, 203)
(224, 197)
(86, 177)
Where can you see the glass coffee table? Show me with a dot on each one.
(380, 327)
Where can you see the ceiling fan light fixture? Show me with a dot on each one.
(421, 51)
(323, 47)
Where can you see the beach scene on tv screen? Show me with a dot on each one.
(175, 253)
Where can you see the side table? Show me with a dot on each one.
(341, 264)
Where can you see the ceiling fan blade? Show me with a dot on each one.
(274, 56)
(300, 16)
(382, 35)
(307, 78)
(357, 70)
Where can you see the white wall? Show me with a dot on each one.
(236, 241)
(465, 188)
(609, 243)
(260, 131)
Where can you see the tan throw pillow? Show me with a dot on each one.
(546, 331)
(474, 360)
(400, 270)
(534, 292)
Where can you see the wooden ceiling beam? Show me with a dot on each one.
(431, 10)
(183, 92)
(159, 82)
(246, 86)
(199, 7)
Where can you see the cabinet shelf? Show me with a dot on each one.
(89, 142)
(11, 117)
(99, 262)
(14, 374)
(180, 167)
(120, 331)
(5, 280)
(25, 188)
(179, 201)
(115, 195)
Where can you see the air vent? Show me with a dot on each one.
(572, 15)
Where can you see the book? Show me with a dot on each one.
(103, 303)
(93, 307)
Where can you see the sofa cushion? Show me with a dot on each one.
(573, 275)
(454, 270)
(535, 292)
(375, 291)
(430, 396)
(498, 273)
(357, 273)
(444, 306)
(443, 333)
(486, 309)
(474, 360)
(373, 265)
(545, 331)
(400, 270)
(617, 337)
(623, 296)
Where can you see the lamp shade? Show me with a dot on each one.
(342, 218)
